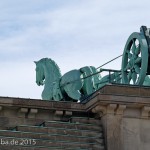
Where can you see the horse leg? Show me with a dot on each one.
(47, 94)
(72, 91)
(57, 95)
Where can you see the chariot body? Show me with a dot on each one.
(80, 83)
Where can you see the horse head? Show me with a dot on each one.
(46, 71)
(48, 74)
(40, 76)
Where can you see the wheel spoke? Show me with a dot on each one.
(138, 60)
(127, 67)
(137, 69)
(133, 47)
(129, 55)
(137, 50)
(134, 77)
(129, 76)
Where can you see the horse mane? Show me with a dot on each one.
(55, 66)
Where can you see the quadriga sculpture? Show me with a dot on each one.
(72, 84)
(75, 84)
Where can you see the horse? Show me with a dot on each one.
(73, 84)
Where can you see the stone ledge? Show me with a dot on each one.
(121, 100)
(126, 90)
(40, 104)
(105, 99)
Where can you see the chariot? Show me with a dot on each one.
(80, 83)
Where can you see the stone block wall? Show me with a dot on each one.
(123, 110)
(125, 115)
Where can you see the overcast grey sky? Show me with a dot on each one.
(74, 33)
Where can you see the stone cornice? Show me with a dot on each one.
(40, 104)
(111, 99)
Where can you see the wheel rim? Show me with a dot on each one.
(135, 60)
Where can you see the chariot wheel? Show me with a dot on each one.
(135, 59)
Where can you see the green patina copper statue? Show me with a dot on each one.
(70, 84)
(73, 84)
(76, 84)
(48, 74)
(135, 60)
